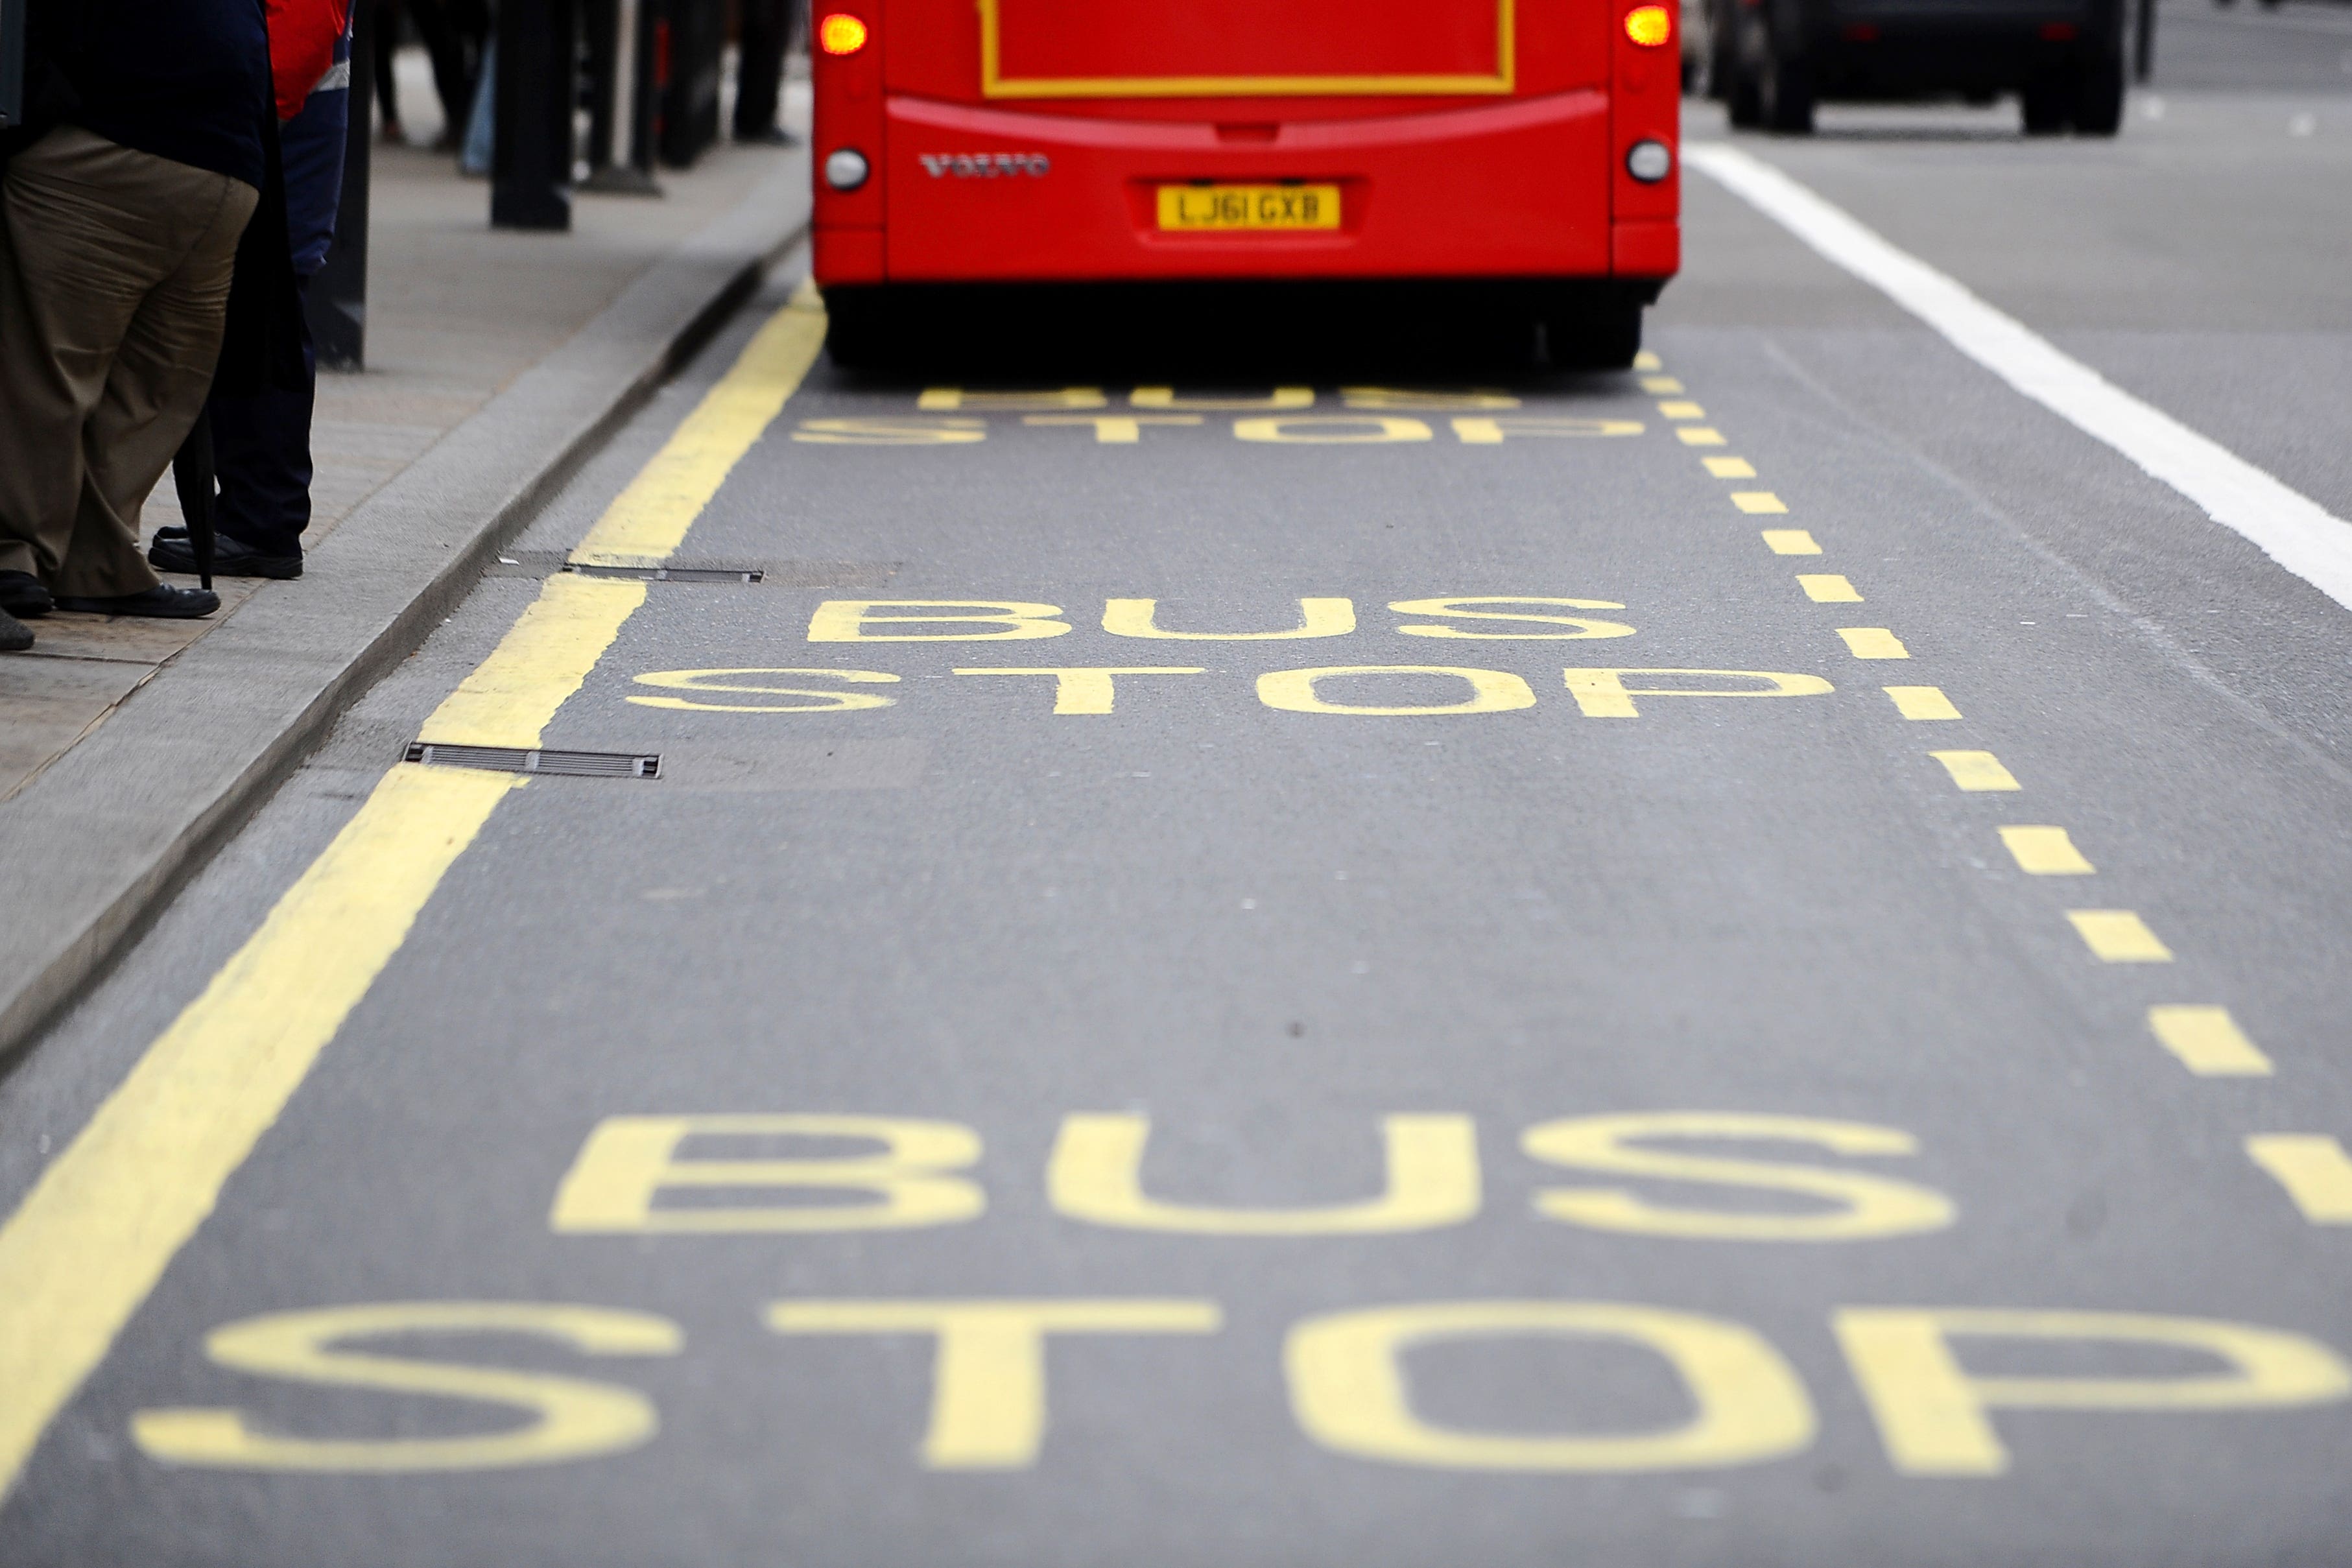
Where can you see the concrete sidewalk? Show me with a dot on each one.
(496, 363)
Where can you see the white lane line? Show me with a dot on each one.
(2289, 527)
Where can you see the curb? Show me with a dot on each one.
(113, 829)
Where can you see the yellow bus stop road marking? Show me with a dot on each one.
(2119, 936)
(2312, 1168)
(1922, 702)
(2207, 1040)
(97, 1232)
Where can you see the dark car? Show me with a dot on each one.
(1772, 61)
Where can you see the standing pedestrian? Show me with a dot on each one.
(121, 224)
(765, 38)
(261, 424)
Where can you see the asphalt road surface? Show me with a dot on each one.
(1740, 963)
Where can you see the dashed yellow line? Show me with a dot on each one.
(97, 1232)
(1729, 468)
(1677, 408)
(1872, 642)
(1762, 503)
(2314, 1169)
(1976, 770)
(2045, 852)
(2119, 936)
(1789, 541)
(1699, 436)
(1922, 702)
(2207, 1041)
(1828, 588)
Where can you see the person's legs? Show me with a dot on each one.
(759, 72)
(89, 232)
(451, 83)
(385, 20)
(158, 383)
(261, 444)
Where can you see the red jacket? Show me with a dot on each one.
(302, 35)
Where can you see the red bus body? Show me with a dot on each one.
(1028, 140)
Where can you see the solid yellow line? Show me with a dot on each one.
(2312, 1168)
(647, 521)
(2207, 1041)
(2119, 936)
(105, 1220)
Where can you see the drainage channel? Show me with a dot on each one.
(517, 760)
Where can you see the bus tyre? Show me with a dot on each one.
(2098, 108)
(1603, 334)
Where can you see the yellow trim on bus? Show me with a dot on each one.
(993, 83)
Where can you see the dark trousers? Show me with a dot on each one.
(760, 76)
(261, 451)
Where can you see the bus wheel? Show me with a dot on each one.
(2098, 108)
(2047, 102)
(1603, 334)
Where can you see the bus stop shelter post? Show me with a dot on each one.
(531, 153)
(336, 302)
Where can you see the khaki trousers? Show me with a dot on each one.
(114, 273)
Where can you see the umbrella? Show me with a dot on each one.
(192, 476)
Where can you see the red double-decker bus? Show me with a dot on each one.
(1520, 152)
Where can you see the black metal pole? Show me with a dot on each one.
(530, 157)
(2143, 46)
(336, 301)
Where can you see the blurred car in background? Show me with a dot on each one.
(1772, 61)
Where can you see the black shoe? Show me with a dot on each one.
(773, 136)
(16, 637)
(21, 593)
(171, 551)
(162, 602)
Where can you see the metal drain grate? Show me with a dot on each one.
(515, 760)
(671, 573)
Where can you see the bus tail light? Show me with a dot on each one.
(1652, 26)
(841, 33)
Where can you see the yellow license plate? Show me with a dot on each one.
(1203, 208)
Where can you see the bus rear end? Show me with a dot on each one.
(1519, 150)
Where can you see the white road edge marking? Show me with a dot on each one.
(2289, 527)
